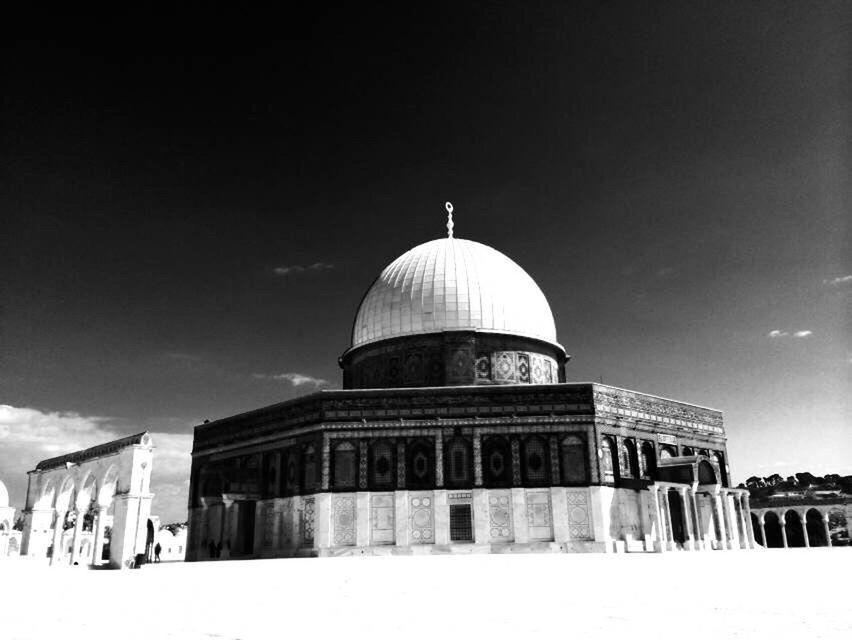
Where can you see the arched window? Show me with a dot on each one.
(573, 458)
(497, 462)
(382, 465)
(421, 465)
(291, 471)
(630, 463)
(666, 452)
(309, 468)
(688, 451)
(345, 466)
(457, 463)
(716, 457)
(649, 461)
(608, 459)
(534, 462)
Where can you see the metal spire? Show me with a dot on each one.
(450, 225)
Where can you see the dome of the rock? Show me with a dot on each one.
(452, 284)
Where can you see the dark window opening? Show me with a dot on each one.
(461, 523)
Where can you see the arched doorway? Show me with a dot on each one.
(793, 527)
(758, 534)
(649, 461)
(816, 528)
(772, 526)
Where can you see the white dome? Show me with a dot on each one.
(452, 285)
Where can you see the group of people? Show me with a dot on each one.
(217, 551)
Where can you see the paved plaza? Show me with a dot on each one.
(796, 593)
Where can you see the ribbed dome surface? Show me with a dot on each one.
(452, 284)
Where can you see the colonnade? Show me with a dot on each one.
(802, 514)
(708, 517)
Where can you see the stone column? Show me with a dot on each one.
(699, 525)
(687, 520)
(100, 534)
(730, 520)
(659, 531)
(78, 529)
(783, 521)
(743, 537)
(670, 544)
(762, 523)
(57, 538)
(749, 524)
(720, 518)
(803, 520)
(827, 529)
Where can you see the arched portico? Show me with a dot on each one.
(107, 486)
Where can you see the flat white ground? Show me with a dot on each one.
(798, 593)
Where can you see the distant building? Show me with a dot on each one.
(8, 540)
(456, 431)
(801, 517)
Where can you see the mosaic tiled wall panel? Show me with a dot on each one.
(539, 519)
(579, 523)
(308, 520)
(500, 516)
(382, 523)
(421, 517)
(343, 510)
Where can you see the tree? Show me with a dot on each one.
(806, 479)
(755, 482)
(19, 523)
(773, 480)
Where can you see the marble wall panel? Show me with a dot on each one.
(539, 517)
(579, 519)
(500, 515)
(382, 521)
(343, 514)
(421, 510)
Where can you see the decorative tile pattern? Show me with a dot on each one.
(500, 515)
(523, 367)
(483, 366)
(413, 369)
(460, 367)
(382, 519)
(504, 366)
(363, 450)
(439, 463)
(516, 462)
(400, 464)
(308, 519)
(554, 460)
(579, 527)
(477, 460)
(344, 520)
(421, 517)
(539, 518)
(537, 368)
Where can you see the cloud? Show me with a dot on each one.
(28, 436)
(835, 282)
(803, 333)
(665, 272)
(182, 357)
(295, 379)
(297, 268)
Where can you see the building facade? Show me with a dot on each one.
(456, 432)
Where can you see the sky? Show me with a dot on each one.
(188, 225)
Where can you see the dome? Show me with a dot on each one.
(452, 284)
(4, 496)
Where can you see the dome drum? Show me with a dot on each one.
(453, 358)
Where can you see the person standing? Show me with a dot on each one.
(157, 549)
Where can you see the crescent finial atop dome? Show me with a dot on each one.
(450, 225)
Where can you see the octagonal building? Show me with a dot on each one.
(455, 432)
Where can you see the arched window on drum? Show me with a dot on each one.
(457, 463)
(630, 463)
(573, 457)
(534, 462)
(345, 466)
(609, 459)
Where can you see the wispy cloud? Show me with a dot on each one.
(295, 379)
(803, 333)
(297, 268)
(182, 357)
(836, 282)
(29, 435)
